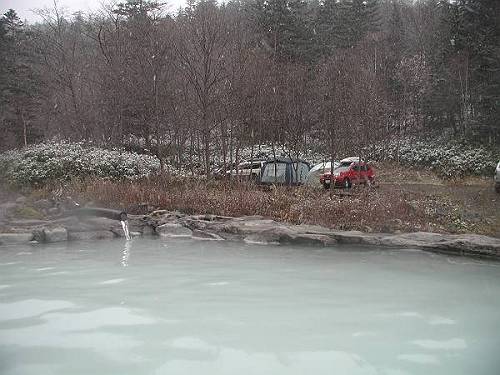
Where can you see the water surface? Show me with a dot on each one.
(152, 306)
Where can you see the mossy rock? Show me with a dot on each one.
(27, 212)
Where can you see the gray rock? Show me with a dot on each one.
(271, 235)
(28, 222)
(248, 227)
(250, 218)
(90, 236)
(291, 236)
(141, 224)
(202, 235)
(397, 222)
(312, 229)
(39, 235)
(57, 234)
(416, 239)
(147, 230)
(173, 230)
(21, 200)
(43, 204)
(169, 218)
(197, 224)
(255, 229)
(352, 237)
(118, 231)
(6, 207)
(53, 211)
(261, 239)
(15, 238)
(308, 239)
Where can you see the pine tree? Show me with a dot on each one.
(283, 24)
(357, 18)
(19, 83)
(477, 37)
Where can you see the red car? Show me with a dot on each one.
(347, 174)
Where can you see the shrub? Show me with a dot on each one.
(63, 161)
(449, 159)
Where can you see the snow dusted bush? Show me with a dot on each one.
(448, 159)
(64, 160)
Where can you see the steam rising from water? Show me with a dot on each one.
(192, 307)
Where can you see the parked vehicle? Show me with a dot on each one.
(497, 178)
(348, 173)
(284, 171)
(318, 170)
(246, 170)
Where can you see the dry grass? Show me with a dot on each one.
(406, 200)
(388, 208)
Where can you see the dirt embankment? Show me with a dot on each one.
(465, 205)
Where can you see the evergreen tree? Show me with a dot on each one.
(354, 20)
(477, 38)
(19, 83)
(284, 26)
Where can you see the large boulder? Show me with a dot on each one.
(90, 236)
(15, 238)
(43, 204)
(7, 207)
(308, 239)
(461, 244)
(203, 235)
(49, 235)
(290, 236)
(270, 235)
(57, 234)
(173, 230)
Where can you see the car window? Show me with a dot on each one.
(341, 169)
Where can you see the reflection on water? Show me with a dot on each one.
(223, 308)
(451, 344)
(424, 359)
(202, 358)
(126, 253)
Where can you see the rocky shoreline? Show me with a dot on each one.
(251, 229)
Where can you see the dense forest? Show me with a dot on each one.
(332, 75)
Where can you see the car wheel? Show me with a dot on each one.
(326, 186)
(347, 183)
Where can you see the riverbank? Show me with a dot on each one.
(404, 200)
(406, 208)
(250, 229)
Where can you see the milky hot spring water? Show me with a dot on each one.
(151, 306)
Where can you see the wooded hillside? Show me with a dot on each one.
(331, 76)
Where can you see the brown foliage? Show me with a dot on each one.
(385, 209)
